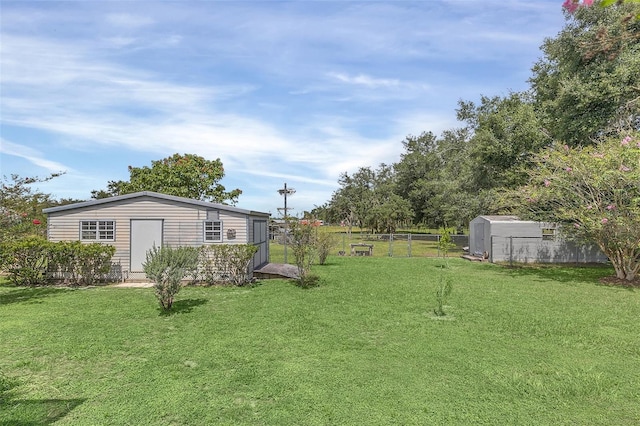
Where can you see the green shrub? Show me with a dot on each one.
(445, 242)
(302, 238)
(445, 285)
(167, 267)
(35, 261)
(80, 264)
(308, 281)
(228, 263)
(26, 260)
(325, 242)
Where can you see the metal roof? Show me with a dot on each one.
(506, 219)
(156, 195)
(501, 218)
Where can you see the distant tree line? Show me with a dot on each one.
(583, 90)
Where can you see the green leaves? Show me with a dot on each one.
(585, 86)
(167, 267)
(36, 261)
(594, 193)
(606, 3)
(188, 175)
(227, 263)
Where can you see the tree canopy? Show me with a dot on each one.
(586, 86)
(182, 175)
(367, 199)
(21, 206)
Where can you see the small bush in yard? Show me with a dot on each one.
(167, 267)
(325, 242)
(35, 261)
(226, 263)
(445, 285)
(80, 264)
(303, 244)
(26, 260)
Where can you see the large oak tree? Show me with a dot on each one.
(182, 175)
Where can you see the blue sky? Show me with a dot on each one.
(280, 91)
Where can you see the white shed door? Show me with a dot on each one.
(145, 233)
(478, 238)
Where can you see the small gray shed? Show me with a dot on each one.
(507, 238)
(134, 223)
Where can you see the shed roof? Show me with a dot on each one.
(501, 218)
(505, 219)
(156, 195)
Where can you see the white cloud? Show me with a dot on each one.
(127, 20)
(31, 155)
(365, 80)
(298, 91)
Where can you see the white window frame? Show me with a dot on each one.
(548, 234)
(101, 229)
(212, 231)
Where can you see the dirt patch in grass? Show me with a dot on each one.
(619, 282)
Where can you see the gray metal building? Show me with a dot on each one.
(509, 239)
(134, 223)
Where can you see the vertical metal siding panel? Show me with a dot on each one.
(488, 232)
(65, 226)
(472, 235)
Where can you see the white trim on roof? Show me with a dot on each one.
(155, 195)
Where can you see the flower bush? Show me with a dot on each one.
(596, 192)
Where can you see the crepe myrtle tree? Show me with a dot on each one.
(594, 193)
(21, 206)
(572, 5)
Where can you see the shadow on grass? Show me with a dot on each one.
(561, 273)
(28, 294)
(183, 306)
(23, 412)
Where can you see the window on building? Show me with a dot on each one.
(212, 231)
(97, 230)
(548, 234)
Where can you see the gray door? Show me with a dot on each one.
(145, 233)
(260, 239)
(478, 238)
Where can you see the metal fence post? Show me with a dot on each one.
(409, 243)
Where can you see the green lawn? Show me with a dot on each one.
(400, 246)
(519, 346)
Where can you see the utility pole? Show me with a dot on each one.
(286, 191)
